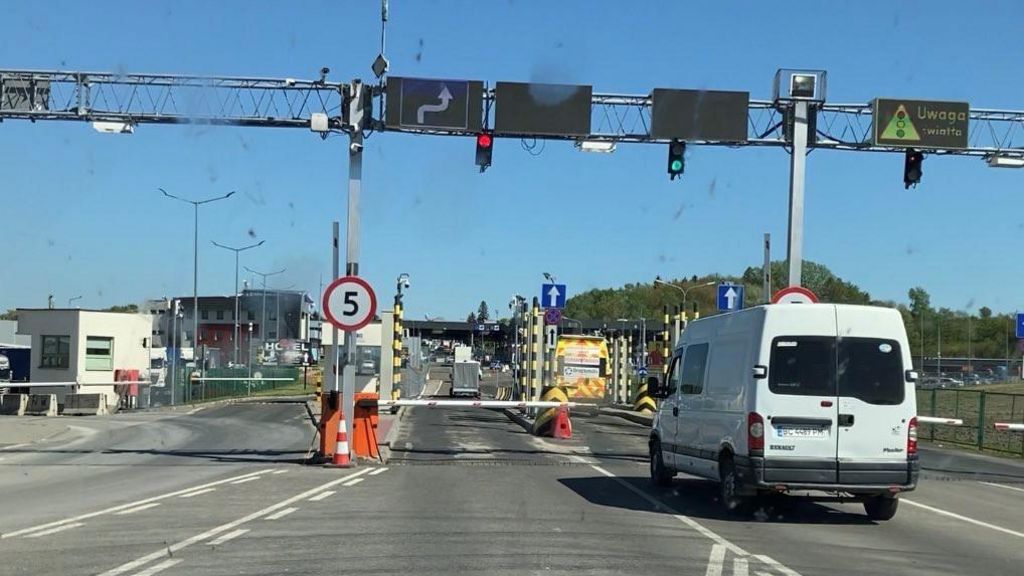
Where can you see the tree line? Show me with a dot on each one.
(957, 333)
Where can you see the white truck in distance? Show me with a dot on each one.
(791, 398)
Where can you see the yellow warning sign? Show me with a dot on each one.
(901, 127)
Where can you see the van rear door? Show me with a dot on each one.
(799, 407)
(876, 403)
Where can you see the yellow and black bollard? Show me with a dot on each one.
(544, 420)
(396, 343)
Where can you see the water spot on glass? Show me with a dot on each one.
(252, 233)
(50, 242)
(711, 188)
(419, 53)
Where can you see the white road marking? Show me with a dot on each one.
(169, 550)
(378, 471)
(1002, 486)
(321, 496)
(697, 526)
(352, 482)
(55, 530)
(197, 492)
(244, 480)
(137, 509)
(158, 567)
(282, 470)
(771, 562)
(964, 518)
(194, 410)
(125, 506)
(281, 514)
(740, 567)
(715, 561)
(761, 574)
(229, 536)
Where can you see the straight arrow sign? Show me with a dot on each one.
(730, 298)
(553, 295)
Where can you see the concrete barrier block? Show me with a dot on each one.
(13, 404)
(85, 404)
(41, 405)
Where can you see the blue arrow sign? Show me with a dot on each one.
(642, 370)
(552, 295)
(1020, 324)
(730, 297)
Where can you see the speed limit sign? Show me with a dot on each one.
(349, 303)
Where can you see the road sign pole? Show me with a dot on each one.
(334, 383)
(797, 177)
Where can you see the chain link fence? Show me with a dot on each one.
(236, 383)
(979, 410)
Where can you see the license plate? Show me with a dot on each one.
(801, 432)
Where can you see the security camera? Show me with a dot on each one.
(289, 81)
(405, 283)
(355, 147)
(325, 70)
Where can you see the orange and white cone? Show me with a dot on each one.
(341, 453)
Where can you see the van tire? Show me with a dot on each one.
(729, 485)
(660, 474)
(881, 507)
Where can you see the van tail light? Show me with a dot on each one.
(755, 432)
(912, 437)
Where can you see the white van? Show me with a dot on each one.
(790, 398)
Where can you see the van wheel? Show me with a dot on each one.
(660, 474)
(881, 507)
(732, 501)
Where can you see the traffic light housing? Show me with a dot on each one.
(484, 148)
(676, 162)
(912, 168)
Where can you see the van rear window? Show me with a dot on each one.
(803, 366)
(871, 370)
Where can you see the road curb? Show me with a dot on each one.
(635, 417)
(384, 446)
(518, 418)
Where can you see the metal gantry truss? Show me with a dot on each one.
(284, 102)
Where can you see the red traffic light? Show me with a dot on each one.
(483, 140)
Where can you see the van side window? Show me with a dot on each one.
(691, 379)
(673, 376)
(803, 366)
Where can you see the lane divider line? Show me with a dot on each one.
(352, 482)
(168, 551)
(158, 567)
(379, 471)
(740, 567)
(321, 496)
(124, 506)
(716, 560)
(15, 446)
(964, 518)
(1014, 488)
(696, 526)
(244, 480)
(137, 509)
(283, 470)
(198, 492)
(229, 536)
(281, 514)
(55, 530)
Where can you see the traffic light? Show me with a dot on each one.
(912, 168)
(484, 148)
(676, 162)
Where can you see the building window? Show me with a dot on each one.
(272, 335)
(251, 315)
(220, 314)
(56, 352)
(205, 314)
(99, 353)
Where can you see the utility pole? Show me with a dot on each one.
(797, 176)
(195, 268)
(237, 251)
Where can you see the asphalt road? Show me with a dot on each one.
(466, 491)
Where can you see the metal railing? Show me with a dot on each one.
(980, 410)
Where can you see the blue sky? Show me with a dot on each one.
(82, 216)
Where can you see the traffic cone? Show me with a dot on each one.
(341, 453)
(562, 427)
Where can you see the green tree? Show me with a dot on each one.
(482, 313)
(132, 308)
(11, 314)
(920, 301)
(471, 318)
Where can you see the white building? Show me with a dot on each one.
(84, 347)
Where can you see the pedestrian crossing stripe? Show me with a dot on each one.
(900, 127)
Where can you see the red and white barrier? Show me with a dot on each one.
(936, 420)
(1009, 426)
(477, 403)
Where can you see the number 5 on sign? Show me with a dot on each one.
(349, 303)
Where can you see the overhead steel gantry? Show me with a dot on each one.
(134, 99)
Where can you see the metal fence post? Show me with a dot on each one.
(981, 421)
(931, 428)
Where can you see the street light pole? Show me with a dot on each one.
(70, 300)
(237, 251)
(195, 264)
(658, 280)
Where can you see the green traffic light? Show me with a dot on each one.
(677, 165)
